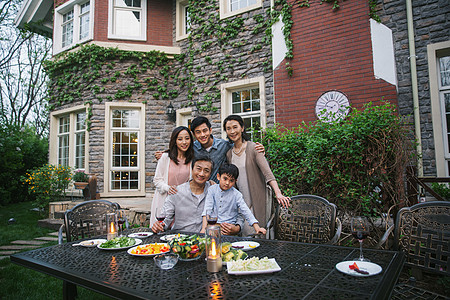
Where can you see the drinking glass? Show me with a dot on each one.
(360, 231)
(160, 215)
(211, 216)
(122, 220)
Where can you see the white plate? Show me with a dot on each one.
(138, 241)
(169, 237)
(275, 269)
(90, 243)
(370, 267)
(141, 235)
(131, 249)
(248, 245)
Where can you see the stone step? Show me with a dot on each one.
(22, 242)
(50, 223)
(7, 252)
(56, 233)
(18, 247)
(47, 238)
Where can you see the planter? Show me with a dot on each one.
(80, 185)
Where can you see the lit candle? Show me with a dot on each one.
(111, 229)
(213, 252)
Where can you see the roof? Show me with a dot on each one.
(37, 16)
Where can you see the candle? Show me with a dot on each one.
(111, 226)
(213, 250)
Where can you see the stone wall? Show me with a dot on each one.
(431, 25)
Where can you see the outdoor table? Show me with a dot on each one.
(307, 272)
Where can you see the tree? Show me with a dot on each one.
(22, 79)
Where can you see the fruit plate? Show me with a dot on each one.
(370, 267)
(129, 251)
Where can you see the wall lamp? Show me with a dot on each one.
(171, 112)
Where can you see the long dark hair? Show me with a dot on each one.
(239, 119)
(173, 149)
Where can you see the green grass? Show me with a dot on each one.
(18, 282)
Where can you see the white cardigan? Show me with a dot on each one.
(161, 180)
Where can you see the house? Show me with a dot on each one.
(120, 66)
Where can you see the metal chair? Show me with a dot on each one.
(309, 219)
(422, 232)
(85, 220)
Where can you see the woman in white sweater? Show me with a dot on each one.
(173, 168)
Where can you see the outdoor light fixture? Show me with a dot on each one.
(171, 113)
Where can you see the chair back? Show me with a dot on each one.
(87, 219)
(422, 232)
(309, 219)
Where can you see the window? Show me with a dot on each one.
(439, 72)
(72, 24)
(444, 95)
(68, 138)
(127, 19)
(230, 8)
(125, 174)
(247, 99)
(63, 140)
(182, 20)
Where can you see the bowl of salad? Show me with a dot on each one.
(188, 247)
(119, 243)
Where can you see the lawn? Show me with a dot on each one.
(16, 281)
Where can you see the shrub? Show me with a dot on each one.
(21, 149)
(48, 183)
(442, 189)
(358, 163)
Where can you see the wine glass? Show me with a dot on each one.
(160, 215)
(211, 216)
(121, 220)
(360, 231)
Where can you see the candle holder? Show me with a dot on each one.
(213, 249)
(111, 226)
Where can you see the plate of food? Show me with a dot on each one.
(253, 265)
(359, 268)
(169, 237)
(141, 235)
(188, 247)
(90, 243)
(231, 254)
(149, 249)
(245, 245)
(119, 243)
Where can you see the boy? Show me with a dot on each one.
(227, 201)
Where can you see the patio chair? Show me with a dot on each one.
(309, 219)
(422, 232)
(85, 220)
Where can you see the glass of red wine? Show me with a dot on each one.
(211, 216)
(160, 216)
(121, 220)
(360, 231)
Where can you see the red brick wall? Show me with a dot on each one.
(332, 50)
(159, 23)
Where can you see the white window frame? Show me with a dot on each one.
(225, 11)
(74, 5)
(226, 91)
(111, 22)
(108, 191)
(442, 154)
(54, 136)
(181, 20)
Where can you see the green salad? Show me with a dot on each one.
(118, 242)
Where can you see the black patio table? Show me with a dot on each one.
(307, 272)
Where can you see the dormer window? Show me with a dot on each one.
(72, 24)
(127, 19)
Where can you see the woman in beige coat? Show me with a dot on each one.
(254, 172)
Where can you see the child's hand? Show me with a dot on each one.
(262, 230)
